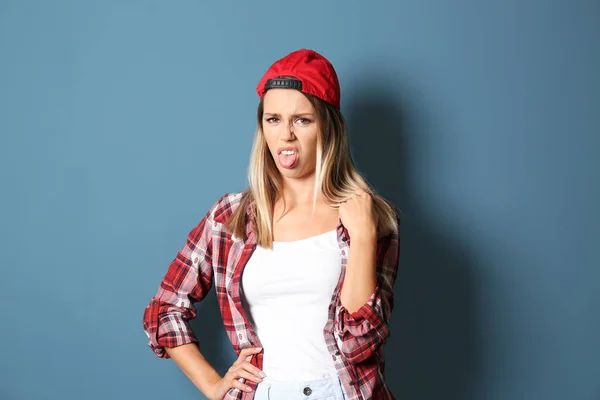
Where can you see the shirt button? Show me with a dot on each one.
(343, 252)
(307, 391)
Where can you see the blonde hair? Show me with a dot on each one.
(336, 177)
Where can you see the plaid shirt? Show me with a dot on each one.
(212, 255)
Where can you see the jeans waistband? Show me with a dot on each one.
(312, 389)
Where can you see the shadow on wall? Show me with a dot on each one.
(433, 351)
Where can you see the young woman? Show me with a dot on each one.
(303, 261)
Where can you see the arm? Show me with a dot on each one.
(365, 305)
(189, 359)
(187, 281)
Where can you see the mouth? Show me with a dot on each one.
(287, 157)
(287, 151)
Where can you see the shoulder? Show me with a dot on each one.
(226, 205)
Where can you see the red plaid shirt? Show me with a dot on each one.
(212, 255)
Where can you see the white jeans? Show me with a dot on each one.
(321, 389)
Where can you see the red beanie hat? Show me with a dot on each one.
(314, 72)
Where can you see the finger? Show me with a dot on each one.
(247, 354)
(239, 385)
(248, 351)
(242, 373)
(252, 369)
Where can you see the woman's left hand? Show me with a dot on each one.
(357, 215)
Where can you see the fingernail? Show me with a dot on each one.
(248, 389)
(262, 374)
(259, 348)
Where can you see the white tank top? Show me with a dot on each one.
(286, 292)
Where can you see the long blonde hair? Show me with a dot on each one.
(336, 177)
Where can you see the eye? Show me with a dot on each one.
(272, 120)
(303, 121)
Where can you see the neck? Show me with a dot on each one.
(299, 191)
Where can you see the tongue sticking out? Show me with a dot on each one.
(288, 161)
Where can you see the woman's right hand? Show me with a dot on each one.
(241, 368)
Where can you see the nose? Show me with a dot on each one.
(287, 132)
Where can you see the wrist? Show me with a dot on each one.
(364, 237)
(211, 383)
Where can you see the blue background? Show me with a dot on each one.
(122, 122)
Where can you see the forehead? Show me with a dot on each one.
(286, 101)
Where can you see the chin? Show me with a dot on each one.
(292, 173)
(295, 173)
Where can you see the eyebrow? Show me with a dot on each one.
(293, 115)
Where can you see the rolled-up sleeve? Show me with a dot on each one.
(187, 281)
(361, 333)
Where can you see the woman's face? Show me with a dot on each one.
(290, 129)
